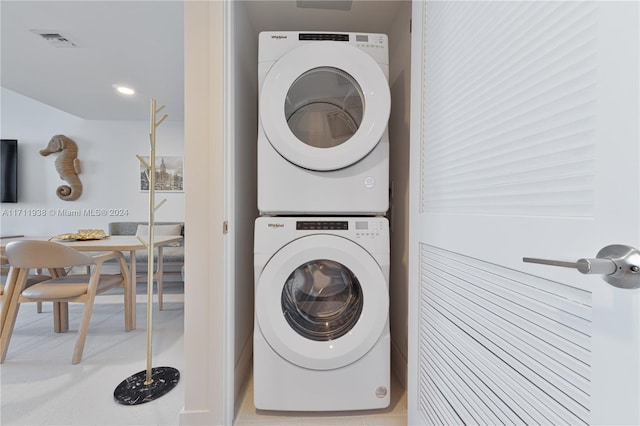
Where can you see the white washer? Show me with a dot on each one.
(323, 143)
(321, 335)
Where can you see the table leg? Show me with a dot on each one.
(60, 317)
(132, 287)
(60, 309)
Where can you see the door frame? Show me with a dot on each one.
(208, 358)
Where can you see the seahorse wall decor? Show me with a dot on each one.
(67, 165)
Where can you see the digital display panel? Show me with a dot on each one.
(362, 225)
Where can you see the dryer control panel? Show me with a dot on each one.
(323, 36)
(274, 44)
(360, 40)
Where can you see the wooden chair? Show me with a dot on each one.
(26, 255)
(6, 286)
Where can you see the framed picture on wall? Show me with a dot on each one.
(169, 174)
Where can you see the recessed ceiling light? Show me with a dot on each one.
(124, 89)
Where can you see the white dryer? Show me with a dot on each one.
(321, 335)
(324, 104)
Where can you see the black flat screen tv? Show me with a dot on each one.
(9, 170)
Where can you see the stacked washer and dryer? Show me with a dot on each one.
(321, 249)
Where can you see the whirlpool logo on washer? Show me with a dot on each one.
(275, 225)
(279, 36)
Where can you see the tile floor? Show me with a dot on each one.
(40, 386)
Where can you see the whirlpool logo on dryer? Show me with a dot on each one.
(275, 225)
(279, 36)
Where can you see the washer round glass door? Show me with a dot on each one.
(322, 302)
(324, 106)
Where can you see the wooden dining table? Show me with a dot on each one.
(122, 243)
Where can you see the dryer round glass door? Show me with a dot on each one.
(322, 302)
(324, 106)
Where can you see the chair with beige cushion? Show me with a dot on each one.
(6, 285)
(26, 255)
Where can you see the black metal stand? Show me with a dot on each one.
(134, 391)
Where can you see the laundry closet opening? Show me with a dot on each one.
(249, 19)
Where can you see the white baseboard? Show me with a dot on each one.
(195, 417)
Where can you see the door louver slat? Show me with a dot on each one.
(493, 354)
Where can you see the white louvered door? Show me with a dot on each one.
(525, 143)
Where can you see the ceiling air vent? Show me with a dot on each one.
(55, 39)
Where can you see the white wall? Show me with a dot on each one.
(109, 169)
(400, 83)
(244, 125)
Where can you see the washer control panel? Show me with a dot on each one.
(274, 232)
(368, 229)
(358, 228)
(313, 225)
